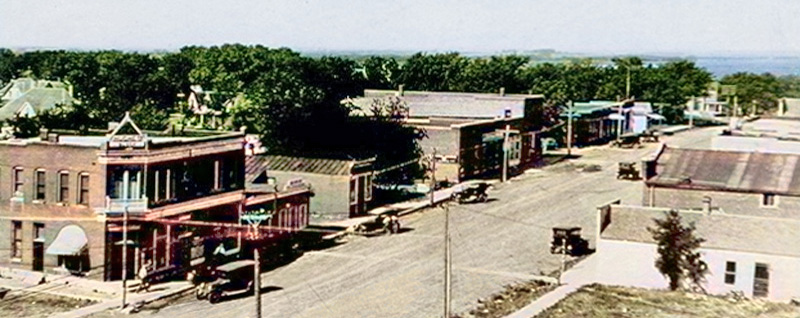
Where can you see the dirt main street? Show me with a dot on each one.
(503, 241)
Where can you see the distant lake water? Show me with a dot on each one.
(721, 66)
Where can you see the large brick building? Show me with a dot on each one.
(64, 197)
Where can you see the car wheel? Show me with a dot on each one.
(214, 297)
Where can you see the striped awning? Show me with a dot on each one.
(71, 240)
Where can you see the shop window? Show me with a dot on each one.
(768, 199)
(353, 190)
(368, 187)
(38, 231)
(730, 273)
(16, 239)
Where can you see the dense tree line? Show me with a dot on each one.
(286, 93)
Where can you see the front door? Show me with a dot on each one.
(38, 256)
(761, 280)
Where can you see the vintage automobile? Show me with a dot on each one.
(471, 191)
(234, 278)
(629, 140)
(627, 170)
(386, 221)
(568, 238)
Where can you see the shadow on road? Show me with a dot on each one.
(264, 290)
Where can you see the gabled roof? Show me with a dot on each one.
(452, 104)
(721, 231)
(39, 99)
(728, 171)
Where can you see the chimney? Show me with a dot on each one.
(502, 91)
(400, 90)
(707, 205)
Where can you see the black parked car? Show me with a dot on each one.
(234, 278)
(569, 238)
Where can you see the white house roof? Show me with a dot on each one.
(775, 236)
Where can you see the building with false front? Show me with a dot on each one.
(65, 198)
(466, 130)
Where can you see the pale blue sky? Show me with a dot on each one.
(734, 27)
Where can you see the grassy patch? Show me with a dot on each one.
(511, 299)
(38, 305)
(597, 301)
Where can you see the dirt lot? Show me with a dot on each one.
(38, 305)
(598, 301)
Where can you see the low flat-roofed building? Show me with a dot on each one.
(342, 188)
(754, 255)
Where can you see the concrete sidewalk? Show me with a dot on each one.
(108, 295)
(134, 299)
(580, 275)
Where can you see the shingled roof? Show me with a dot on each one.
(728, 171)
(38, 95)
(256, 165)
(721, 231)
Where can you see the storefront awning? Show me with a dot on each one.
(616, 117)
(71, 240)
(656, 117)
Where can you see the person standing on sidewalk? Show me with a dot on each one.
(144, 283)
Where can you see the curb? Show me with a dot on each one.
(103, 306)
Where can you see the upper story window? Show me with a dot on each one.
(41, 185)
(83, 188)
(769, 199)
(63, 186)
(18, 179)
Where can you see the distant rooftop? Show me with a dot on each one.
(777, 173)
(27, 97)
(452, 104)
(721, 231)
(256, 165)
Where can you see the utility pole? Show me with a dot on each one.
(125, 256)
(619, 122)
(569, 128)
(628, 83)
(433, 176)
(505, 153)
(257, 281)
(563, 259)
(446, 261)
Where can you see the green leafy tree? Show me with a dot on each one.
(24, 127)
(678, 255)
(433, 72)
(490, 74)
(7, 69)
(756, 93)
(380, 72)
